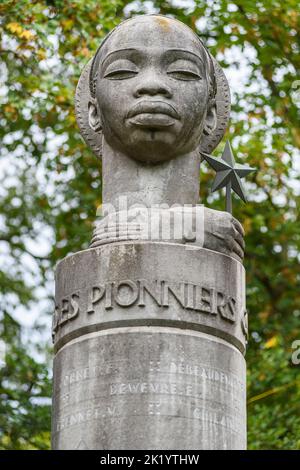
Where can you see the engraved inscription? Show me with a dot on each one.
(207, 416)
(126, 293)
(164, 388)
(224, 379)
(68, 310)
(214, 417)
(207, 373)
(176, 379)
(84, 415)
(171, 378)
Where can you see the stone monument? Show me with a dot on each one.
(150, 323)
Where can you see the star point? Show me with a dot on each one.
(228, 174)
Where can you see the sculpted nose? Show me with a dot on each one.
(152, 85)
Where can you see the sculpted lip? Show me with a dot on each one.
(152, 120)
(153, 107)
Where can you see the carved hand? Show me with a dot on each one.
(223, 233)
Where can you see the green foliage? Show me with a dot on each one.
(51, 186)
(24, 415)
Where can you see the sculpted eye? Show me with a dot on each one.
(120, 70)
(184, 70)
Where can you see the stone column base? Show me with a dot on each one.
(149, 341)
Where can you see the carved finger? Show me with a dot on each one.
(236, 248)
(239, 238)
(238, 226)
(219, 235)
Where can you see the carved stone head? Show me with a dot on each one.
(152, 90)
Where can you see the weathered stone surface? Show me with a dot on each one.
(153, 284)
(157, 98)
(160, 32)
(195, 226)
(149, 388)
(149, 340)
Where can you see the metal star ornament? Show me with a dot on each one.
(228, 174)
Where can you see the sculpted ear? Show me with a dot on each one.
(94, 115)
(211, 118)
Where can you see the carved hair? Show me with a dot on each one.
(210, 70)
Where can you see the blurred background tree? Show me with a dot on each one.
(51, 187)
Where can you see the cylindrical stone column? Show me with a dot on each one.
(149, 342)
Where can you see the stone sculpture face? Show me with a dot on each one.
(153, 90)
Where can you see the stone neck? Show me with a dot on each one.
(172, 182)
